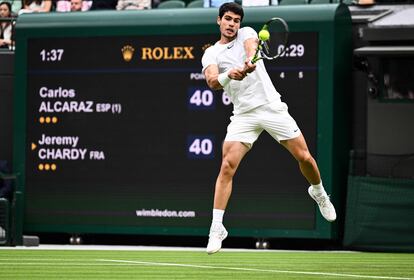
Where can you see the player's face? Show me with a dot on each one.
(229, 25)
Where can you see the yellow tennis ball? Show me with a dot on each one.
(264, 35)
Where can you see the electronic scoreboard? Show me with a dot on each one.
(123, 135)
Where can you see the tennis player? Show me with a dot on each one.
(257, 107)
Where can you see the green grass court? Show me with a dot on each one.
(249, 265)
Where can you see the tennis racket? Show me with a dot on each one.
(275, 45)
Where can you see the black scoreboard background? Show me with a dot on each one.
(124, 136)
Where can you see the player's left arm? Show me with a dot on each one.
(250, 46)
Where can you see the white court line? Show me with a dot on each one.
(258, 270)
(11, 264)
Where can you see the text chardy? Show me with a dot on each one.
(62, 154)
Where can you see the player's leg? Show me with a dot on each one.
(298, 148)
(307, 164)
(242, 132)
(233, 152)
(281, 126)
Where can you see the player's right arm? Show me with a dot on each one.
(211, 73)
(217, 81)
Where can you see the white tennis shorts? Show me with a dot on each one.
(273, 117)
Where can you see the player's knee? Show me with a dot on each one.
(304, 157)
(227, 167)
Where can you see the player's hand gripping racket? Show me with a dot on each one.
(273, 38)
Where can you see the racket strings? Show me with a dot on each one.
(266, 47)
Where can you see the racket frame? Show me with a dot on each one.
(262, 44)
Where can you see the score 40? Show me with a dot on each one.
(200, 146)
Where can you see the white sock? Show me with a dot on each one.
(218, 215)
(318, 188)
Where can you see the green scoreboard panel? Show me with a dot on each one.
(117, 131)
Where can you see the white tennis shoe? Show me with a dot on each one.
(217, 234)
(325, 205)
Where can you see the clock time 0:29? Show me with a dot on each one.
(292, 50)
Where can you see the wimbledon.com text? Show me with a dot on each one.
(166, 213)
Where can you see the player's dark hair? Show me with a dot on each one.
(231, 7)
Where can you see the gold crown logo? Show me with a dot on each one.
(127, 52)
(206, 46)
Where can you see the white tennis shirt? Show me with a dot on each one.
(257, 88)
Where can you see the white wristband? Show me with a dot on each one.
(224, 78)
